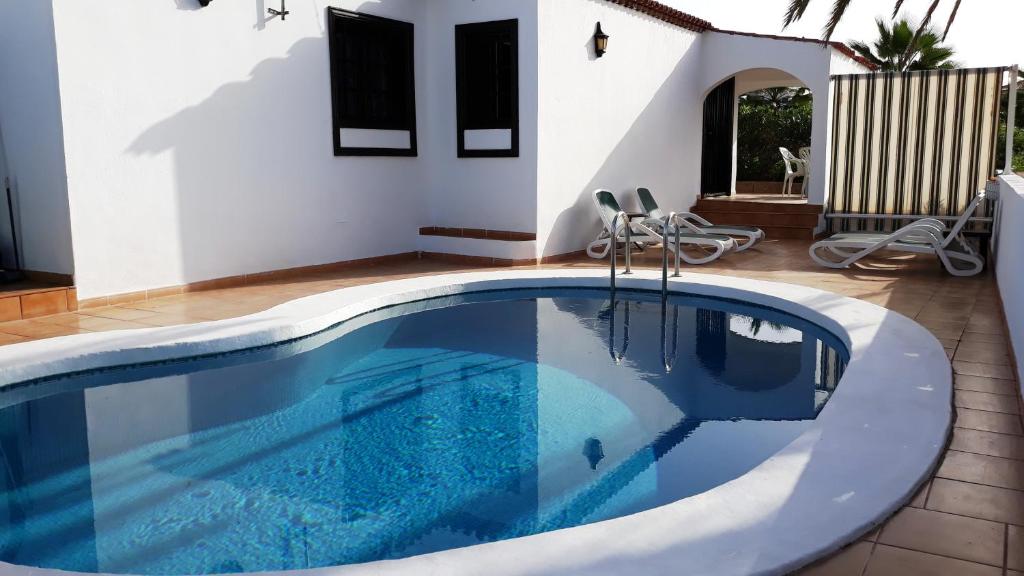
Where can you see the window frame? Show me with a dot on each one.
(462, 88)
(333, 16)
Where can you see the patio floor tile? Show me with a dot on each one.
(977, 501)
(1015, 548)
(986, 370)
(34, 329)
(988, 421)
(890, 561)
(12, 339)
(995, 354)
(919, 499)
(988, 443)
(848, 562)
(946, 535)
(975, 337)
(981, 469)
(986, 401)
(982, 384)
(118, 313)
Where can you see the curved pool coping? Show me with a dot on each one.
(875, 442)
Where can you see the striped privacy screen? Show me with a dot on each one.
(911, 143)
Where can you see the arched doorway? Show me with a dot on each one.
(730, 139)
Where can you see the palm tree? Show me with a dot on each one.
(798, 7)
(778, 98)
(893, 51)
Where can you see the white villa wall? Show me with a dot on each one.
(631, 118)
(199, 144)
(31, 139)
(487, 193)
(725, 55)
(1010, 259)
(199, 141)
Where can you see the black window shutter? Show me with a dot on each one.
(372, 78)
(487, 82)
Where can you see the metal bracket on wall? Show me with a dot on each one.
(283, 13)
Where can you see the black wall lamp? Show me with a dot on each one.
(283, 13)
(600, 41)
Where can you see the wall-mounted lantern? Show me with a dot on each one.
(283, 13)
(600, 41)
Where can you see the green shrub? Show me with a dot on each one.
(762, 130)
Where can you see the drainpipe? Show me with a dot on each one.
(1011, 117)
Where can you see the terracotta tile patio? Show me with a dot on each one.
(969, 519)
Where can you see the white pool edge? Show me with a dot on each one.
(875, 442)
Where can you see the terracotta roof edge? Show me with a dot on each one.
(841, 47)
(666, 13)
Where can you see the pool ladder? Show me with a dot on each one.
(667, 358)
(623, 219)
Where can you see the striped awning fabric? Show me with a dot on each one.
(911, 143)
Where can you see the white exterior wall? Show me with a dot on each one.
(199, 141)
(199, 144)
(487, 193)
(31, 139)
(1010, 260)
(631, 118)
(725, 55)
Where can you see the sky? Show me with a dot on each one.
(986, 32)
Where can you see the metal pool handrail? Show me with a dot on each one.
(669, 359)
(671, 218)
(617, 357)
(614, 239)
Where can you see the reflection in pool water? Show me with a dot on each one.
(418, 428)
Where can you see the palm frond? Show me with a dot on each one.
(912, 49)
(866, 52)
(896, 10)
(838, 10)
(952, 17)
(795, 12)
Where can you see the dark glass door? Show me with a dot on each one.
(716, 158)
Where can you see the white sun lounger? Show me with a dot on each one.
(925, 236)
(642, 233)
(750, 234)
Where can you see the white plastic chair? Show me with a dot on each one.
(794, 169)
(805, 157)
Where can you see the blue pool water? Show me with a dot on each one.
(422, 427)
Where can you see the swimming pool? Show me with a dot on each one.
(414, 426)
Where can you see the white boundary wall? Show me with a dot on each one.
(1010, 260)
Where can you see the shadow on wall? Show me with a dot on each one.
(7, 259)
(256, 183)
(648, 154)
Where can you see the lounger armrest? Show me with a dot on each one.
(659, 224)
(695, 218)
(921, 231)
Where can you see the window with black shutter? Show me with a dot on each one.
(372, 85)
(487, 82)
